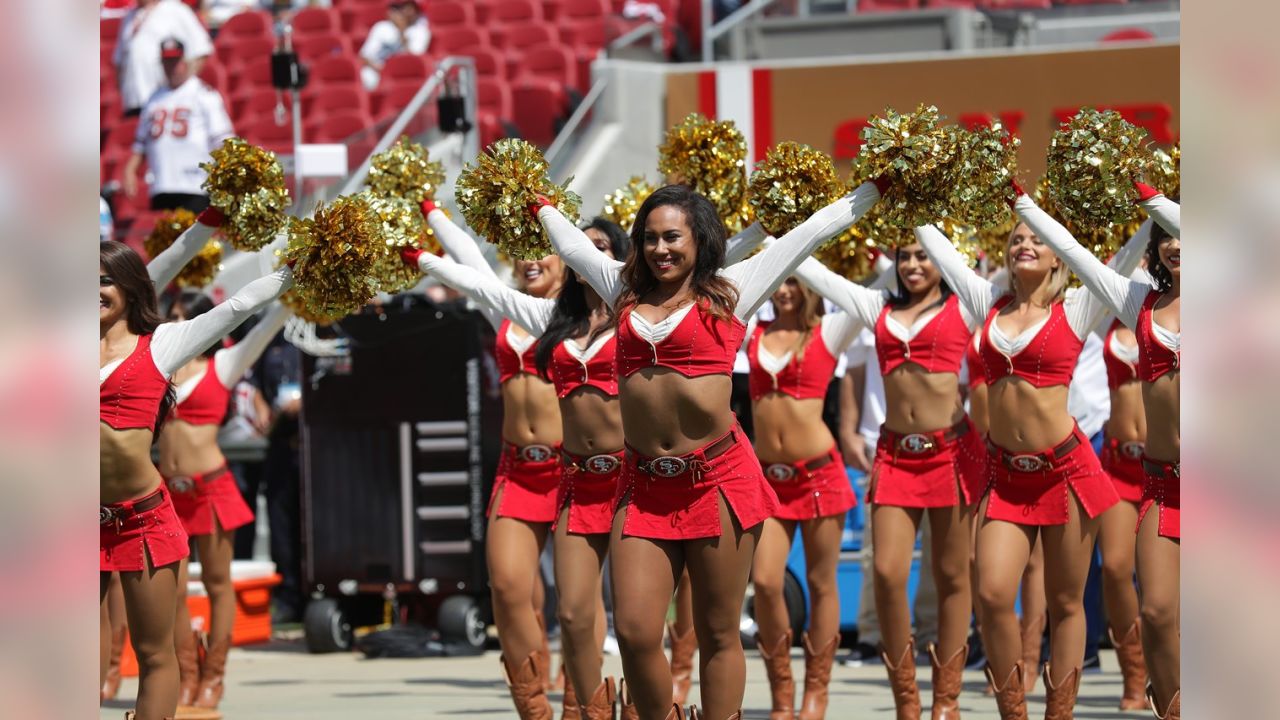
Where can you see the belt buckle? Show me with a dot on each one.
(1026, 463)
(779, 472)
(916, 443)
(535, 453)
(1177, 470)
(1132, 449)
(668, 466)
(107, 515)
(182, 485)
(601, 464)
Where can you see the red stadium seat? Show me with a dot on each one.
(538, 104)
(404, 67)
(330, 100)
(109, 30)
(582, 10)
(357, 19)
(215, 76)
(449, 14)
(458, 40)
(264, 132)
(867, 6)
(1092, 2)
(335, 69)
(489, 63)
(550, 62)
(950, 3)
(1015, 4)
(257, 103)
(514, 38)
(514, 12)
(235, 53)
(1128, 35)
(551, 10)
(252, 73)
(493, 96)
(311, 48)
(122, 133)
(589, 35)
(315, 21)
(250, 23)
(340, 126)
(392, 97)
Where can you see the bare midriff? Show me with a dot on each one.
(187, 450)
(1025, 418)
(125, 471)
(1128, 421)
(666, 413)
(1163, 428)
(592, 422)
(789, 430)
(918, 401)
(979, 407)
(530, 411)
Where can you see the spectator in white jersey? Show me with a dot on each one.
(180, 125)
(404, 31)
(137, 53)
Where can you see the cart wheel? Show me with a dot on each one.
(326, 626)
(459, 621)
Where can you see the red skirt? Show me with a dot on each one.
(126, 539)
(1123, 462)
(1164, 490)
(684, 507)
(199, 499)
(1041, 496)
(527, 483)
(589, 486)
(948, 473)
(805, 494)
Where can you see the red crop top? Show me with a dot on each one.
(938, 347)
(207, 403)
(569, 374)
(977, 371)
(801, 378)
(130, 397)
(1154, 359)
(1119, 371)
(1049, 360)
(700, 345)
(510, 362)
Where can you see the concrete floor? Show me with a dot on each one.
(281, 680)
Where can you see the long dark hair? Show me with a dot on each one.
(897, 294)
(1157, 269)
(142, 313)
(718, 294)
(572, 316)
(193, 304)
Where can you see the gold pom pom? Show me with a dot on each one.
(1103, 242)
(711, 157)
(621, 205)
(335, 253)
(1166, 173)
(919, 157)
(401, 226)
(1093, 162)
(246, 183)
(984, 191)
(202, 268)
(404, 170)
(792, 182)
(495, 196)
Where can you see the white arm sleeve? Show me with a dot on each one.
(976, 294)
(758, 276)
(1166, 212)
(740, 246)
(860, 303)
(1112, 290)
(232, 363)
(751, 329)
(838, 330)
(458, 244)
(175, 344)
(164, 267)
(525, 311)
(602, 273)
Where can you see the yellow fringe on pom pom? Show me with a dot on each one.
(920, 158)
(402, 226)
(983, 193)
(1092, 164)
(711, 157)
(1166, 173)
(496, 194)
(792, 182)
(405, 170)
(621, 205)
(335, 253)
(202, 268)
(246, 183)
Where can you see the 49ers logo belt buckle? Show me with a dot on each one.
(535, 453)
(779, 472)
(668, 466)
(182, 484)
(1027, 463)
(601, 464)
(915, 443)
(1132, 449)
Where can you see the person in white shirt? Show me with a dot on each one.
(404, 31)
(137, 53)
(180, 125)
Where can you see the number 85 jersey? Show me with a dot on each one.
(177, 130)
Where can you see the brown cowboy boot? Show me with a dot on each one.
(1133, 667)
(1032, 639)
(817, 675)
(1172, 711)
(947, 679)
(626, 708)
(212, 672)
(111, 684)
(528, 691)
(777, 666)
(601, 704)
(682, 649)
(1011, 697)
(1060, 699)
(571, 709)
(188, 646)
(902, 679)
(677, 713)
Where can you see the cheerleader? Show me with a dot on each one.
(204, 492)
(1044, 480)
(1152, 313)
(576, 351)
(139, 533)
(522, 505)
(792, 359)
(693, 493)
(929, 459)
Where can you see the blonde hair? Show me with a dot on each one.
(1059, 277)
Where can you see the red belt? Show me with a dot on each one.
(117, 513)
(670, 466)
(185, 484)
(783, 472)
(925, 443)
(538, 453)
(601, 464)
(1034, 462)
(1161, 469)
